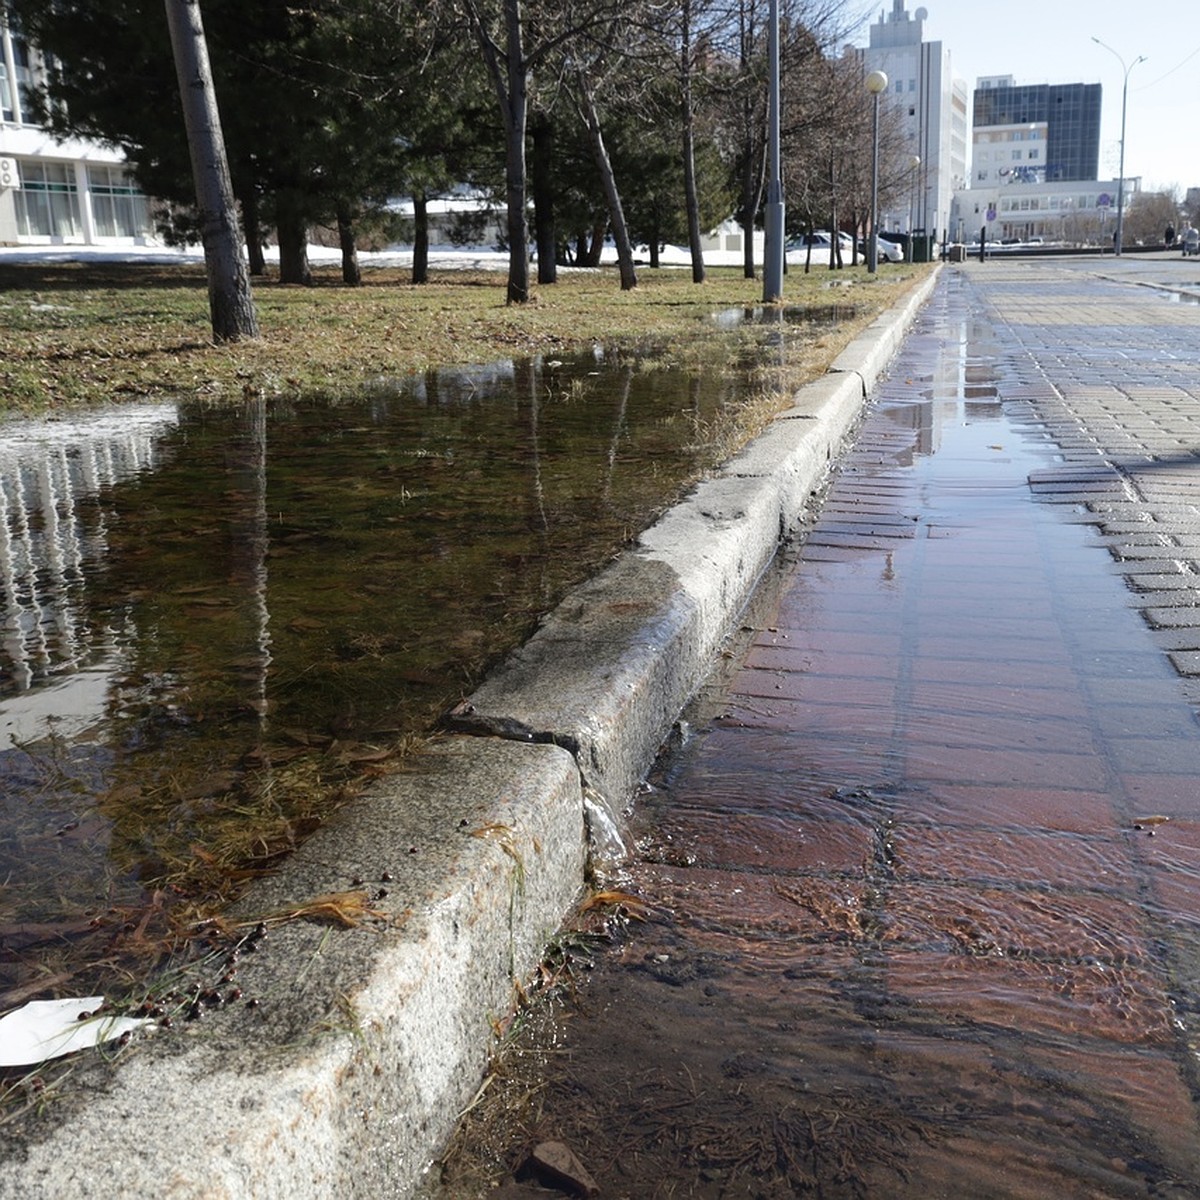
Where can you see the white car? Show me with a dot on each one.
(817, 247)
(886, 251)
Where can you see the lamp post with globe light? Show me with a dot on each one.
(876, 82)
(1121, 167)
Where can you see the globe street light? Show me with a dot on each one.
(876, 82)
(1121, 168)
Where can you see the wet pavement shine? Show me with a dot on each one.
(923, 888)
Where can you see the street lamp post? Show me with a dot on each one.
(773, 216)
(914, 163)
(876, 82)
(1121, 167)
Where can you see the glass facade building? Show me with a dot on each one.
(1069, 112)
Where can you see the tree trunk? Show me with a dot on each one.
(691, 195)
(543, 201)
(420, 267)
(753, 175)
(351, 272)
(252, 226)
(616, 214)
(596, 244)
(292, 231)
(509, 73)
(516, 113)
(231, 305)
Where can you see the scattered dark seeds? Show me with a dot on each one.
(386, 877)
(252, 1003)
(234, 994)
(83, 1016)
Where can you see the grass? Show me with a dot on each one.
(83, 334)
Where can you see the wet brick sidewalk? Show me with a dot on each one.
(924, 889)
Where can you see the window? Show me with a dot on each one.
(48, 202)
(118, 207)
(1016, 156)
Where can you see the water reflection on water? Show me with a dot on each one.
(217, 620)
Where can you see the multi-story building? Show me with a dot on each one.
(1081, 212)
(1034, 166)
(930, 107)
(1034, 133)
(57, 192)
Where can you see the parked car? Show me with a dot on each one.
(885, 251)
(822, 239)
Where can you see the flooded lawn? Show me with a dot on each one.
(916, 909)
(220, 620)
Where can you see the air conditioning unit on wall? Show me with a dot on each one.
(8, 174)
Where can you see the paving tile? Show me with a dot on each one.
(1043, 807)
(773, 841)
(991, 855)
(1046, 999)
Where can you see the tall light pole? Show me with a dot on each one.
(877, 81)
(773, 217)
(1121, 168)
(914, 163)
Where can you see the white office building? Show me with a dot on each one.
(931, 108)
(53, 192)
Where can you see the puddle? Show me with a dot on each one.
(218, 621)
(816, 316)
(911, 926)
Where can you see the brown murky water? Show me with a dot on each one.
(218, 621)
(922, 898)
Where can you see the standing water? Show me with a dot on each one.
(218, 621)
(920, 902)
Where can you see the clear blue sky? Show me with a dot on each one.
(1050, 41)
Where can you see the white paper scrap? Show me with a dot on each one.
(44, 1029)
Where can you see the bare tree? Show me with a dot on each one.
(231, 304)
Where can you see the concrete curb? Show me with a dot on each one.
(368, 1042)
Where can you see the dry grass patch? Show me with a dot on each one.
(74, 334)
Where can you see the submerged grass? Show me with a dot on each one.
(73, 333)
